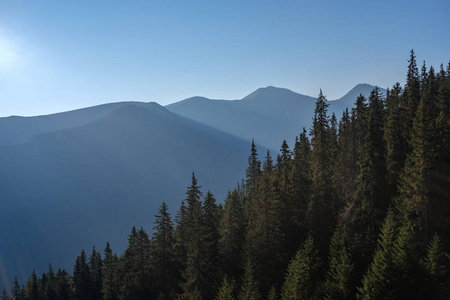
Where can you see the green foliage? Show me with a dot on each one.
(338, 279)
(342, 180)
(254, 167)
(110, 288)
(135, 267)
(303, 273)
(249, 288)
(225, 291)
(232, 235)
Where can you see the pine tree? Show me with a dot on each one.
(212, 214)
(62, 285)
(370, 199)
(396, 140)
(303, 273)
(163, 242)
(110, 274)
(195, 282)
(268, 163)
(32, 289)
(272, 295)
(323, 206)
(299, 195)
(17, 292)
(249, 288)
(81, 280)
(95, 269)
(232, 235)
(226, 291)
(48, 283)
(135, 266)
(416, 198)
(265, 239)
(379, 281)
(436, 264)
(338, 279)
(254, 167)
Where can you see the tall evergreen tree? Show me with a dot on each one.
(81, 279)
(249, 287)
(212, 214)
(371, 201)
(163, 242)
(303, 273)
(135, 263)
(225, 291)
(254, 167)
(396, 140)
(110, 274)
(95, 269)
(62, 285)
(323, 205)
(339, 277)
(436, 264)
(299, 195)
(33, 288)
(194, 282)
(232, 235)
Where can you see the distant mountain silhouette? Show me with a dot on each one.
(80, 178)
(16, 130)
(269, 115)
(74, 188)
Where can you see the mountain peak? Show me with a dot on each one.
(270, 92)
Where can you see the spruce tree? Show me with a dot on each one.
(249, 287)
(323, 206)
(95, 269)
(303, 273)
(272, 295)
(436, 264)
(212, 214)
(371, 199)
(394, 135)
(110, 274)
(339, 277)
(33, 288)
(232, 235)
(254, 167)
(225, 291)
(379, 281)
(163, 253)
(62, 285)
(194, 275)
(135, 267)
(81, 279)
(299, 195)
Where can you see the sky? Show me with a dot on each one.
(63, 55)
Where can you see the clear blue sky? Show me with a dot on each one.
(62, 55)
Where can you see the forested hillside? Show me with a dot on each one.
(353, 209)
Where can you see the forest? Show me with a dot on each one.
(358, 208)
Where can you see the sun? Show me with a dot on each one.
(9, 55)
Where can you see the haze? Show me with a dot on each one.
(57, 56)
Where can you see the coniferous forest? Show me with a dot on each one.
(358, 207)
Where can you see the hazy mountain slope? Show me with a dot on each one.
(269, 115)
(16, 130)
(70, 189)
(349, 99)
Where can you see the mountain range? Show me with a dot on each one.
(72, 180)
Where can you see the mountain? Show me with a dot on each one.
(269, 115)
(80, 178)
(348, 100)
(70, 189)
(16, 130)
